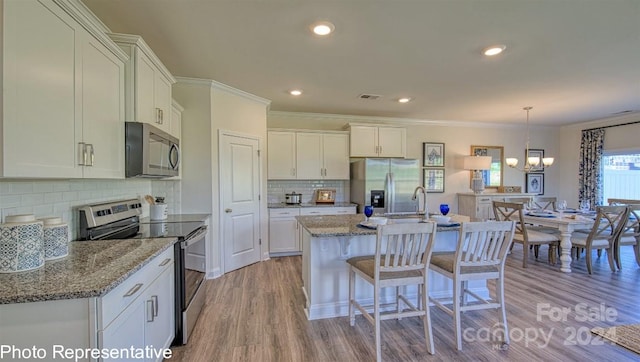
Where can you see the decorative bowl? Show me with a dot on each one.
(378, 220)
(441, 219)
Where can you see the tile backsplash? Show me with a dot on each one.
(47, 198)
(276, 189)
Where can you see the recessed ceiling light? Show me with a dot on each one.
(404, 100)
(322, 28)
(295, 92)
(494, 50)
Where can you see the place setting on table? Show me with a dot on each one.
(372, 222)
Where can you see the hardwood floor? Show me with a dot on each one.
(255, 314)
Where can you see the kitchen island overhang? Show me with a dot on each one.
(328, 241)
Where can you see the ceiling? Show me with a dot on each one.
(571, 60)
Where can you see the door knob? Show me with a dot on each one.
(228, 210)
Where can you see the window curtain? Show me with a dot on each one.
(590, 172)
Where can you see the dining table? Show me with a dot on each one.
(566, 223)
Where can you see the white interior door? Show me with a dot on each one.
(240, 188)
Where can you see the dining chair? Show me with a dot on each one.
(480, 255)
(614, 201)
(524, 234)
(402, 257)
(545, 203)
(609, 222)
(630, 234)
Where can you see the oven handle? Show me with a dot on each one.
(195, 238)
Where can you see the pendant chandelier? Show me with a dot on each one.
(531, 163)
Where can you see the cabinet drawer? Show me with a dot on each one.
(327, 210)
(284, 212)
(117, 300)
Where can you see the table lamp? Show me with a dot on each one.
(477, 164)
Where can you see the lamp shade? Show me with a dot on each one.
(476, 162)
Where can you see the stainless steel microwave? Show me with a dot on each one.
(150, 152)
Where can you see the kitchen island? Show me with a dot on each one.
(327, 241)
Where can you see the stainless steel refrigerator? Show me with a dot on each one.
(385, 183)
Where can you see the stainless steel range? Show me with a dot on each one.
(121, 220)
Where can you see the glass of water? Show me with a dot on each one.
(561, 206)
(585, 206)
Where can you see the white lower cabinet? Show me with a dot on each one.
(284, 230)
(143, 306)
(480, 206)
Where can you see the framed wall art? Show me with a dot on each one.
(535, 183)
(432, 154)
(326, 196)
(535, 153)
(433, 180)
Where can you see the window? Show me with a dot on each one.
(621, 175)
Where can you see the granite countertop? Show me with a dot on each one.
(178, 218)
(347, 225)
(91, 269)
(284, 205)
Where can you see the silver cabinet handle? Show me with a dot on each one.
(91, 154)
(82, 153)
(158, 115)
(228, 210)
(133, 290)
(165, 262)
(150, 316)
(154, 299)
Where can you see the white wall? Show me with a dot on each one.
(457, 137)
(211, 107)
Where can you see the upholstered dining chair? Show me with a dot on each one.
(630, 234)
(609, 223)
(524, 235)
(402, 257)
(480, 255)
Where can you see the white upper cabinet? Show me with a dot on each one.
(377, 141)
(148, 84)
(63, 94)
(308, 155)
(281, 155)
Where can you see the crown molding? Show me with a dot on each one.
(392, 121)
(92, 24)
(138, 41)
(223, 87)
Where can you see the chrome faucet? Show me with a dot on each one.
(423, 210)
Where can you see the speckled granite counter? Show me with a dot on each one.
(347, 225)
(91, 269)
(283, 205)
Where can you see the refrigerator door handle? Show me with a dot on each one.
(391, 193)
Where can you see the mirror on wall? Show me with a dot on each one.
(492, 177)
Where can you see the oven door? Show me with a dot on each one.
(190, 275)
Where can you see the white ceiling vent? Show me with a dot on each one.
(371, 97)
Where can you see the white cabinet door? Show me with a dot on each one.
(176, 120)
(309, 160)
(283, 235)
(144, 99)
(391, 142)
(159, 309)
(126, 331)
(162, 102)
(336, 156)
(281, 160)
(103, 110)
(41, 122)
(364, 141)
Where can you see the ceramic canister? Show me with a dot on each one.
(21, 244)
(56, 238)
